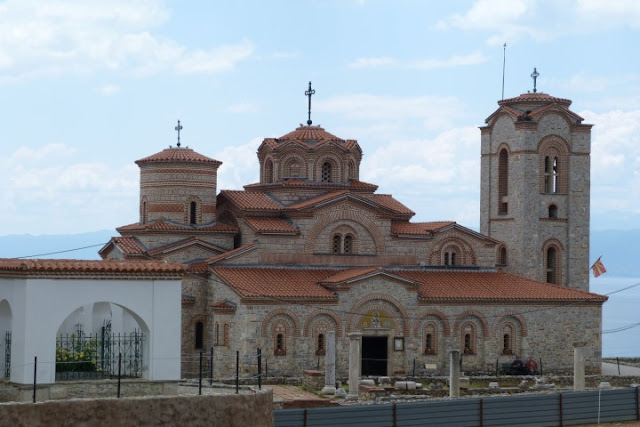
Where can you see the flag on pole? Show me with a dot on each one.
(598, 268)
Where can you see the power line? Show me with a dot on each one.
(61, 252)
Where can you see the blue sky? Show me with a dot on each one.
(88, 87)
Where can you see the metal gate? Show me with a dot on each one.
(7, 354)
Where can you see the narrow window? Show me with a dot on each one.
(144, 211)
(453, 258)
(467, 344)
(553, 211)
(192, 212)
(503, 181)
(326, 172)
(199, 335)
(547, 174)
(320, 349)
(348, 244)
(429, 344)
(551, 265)
(279, 350)
(506, 344)
(503, 256)
(450, 258)
(335, 247)
(268, 171)
(555, 175)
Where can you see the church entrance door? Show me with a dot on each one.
(374, 356)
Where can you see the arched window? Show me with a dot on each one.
(348, 244)
(428, 345)
(503, 181)
(506, 344)
(335, 247)
(320, 345)
(502, 256)
(193, 213)
(551, 174)
(199, 335)
(217, 333)
(467, 344)
(326, 172)
(268, 171)
(468, 338)
(553, 211)
(551, 258)
(144, 215)
(280, 340)
(430, 334)
(351, 170)
(449, 258)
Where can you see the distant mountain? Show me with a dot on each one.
(47, 246)
(620, 249)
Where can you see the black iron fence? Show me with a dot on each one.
(97, 356)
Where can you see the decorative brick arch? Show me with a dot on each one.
(559, 260)
(467, 252)
(549, 146)
(336, 165)
(285, 313)
(187, 209)
(446, 329)
(198, 318)
(286, 165)
(460, 318)
(355, 310)
(506, 314)
(311, 318)
(344, 215)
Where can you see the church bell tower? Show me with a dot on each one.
(535, 188)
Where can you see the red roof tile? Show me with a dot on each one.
(222, 306)
(310, 135)
(251, 200)
(129, 245)
(275, 282)
(86, 266)
(178, 154)
(387, 201)
(352, 184)
(477, 285)
(418, 228)
(271, 225)
(232, 253)
(439, 285)
(535, 98)
(163, 225)
(185, 243)
(315, 200)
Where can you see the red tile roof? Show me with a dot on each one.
(36, 266)
(535, 98)
(352, 184)
(418, 228)
(387, 201)
(129, 245)
(310, 134)
(238, 251)
(271, 225)
(251, 200)
(183, 244)
(433, 285)
(276, 282)
(178, 154)
(222, 306)
(490, 286)
(316, 200)
(163, 225)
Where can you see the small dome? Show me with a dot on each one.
(310, 135)
(535, 98)
(177, 154)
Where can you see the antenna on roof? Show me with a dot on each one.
(309, 93)
(504, 61)
(178, 128)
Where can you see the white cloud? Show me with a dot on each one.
(73, 195)
(53, 37)
(422, 64)
(239, 165)
(511, 20)
(435, 112)
(109, 90)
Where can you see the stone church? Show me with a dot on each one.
(311, 248)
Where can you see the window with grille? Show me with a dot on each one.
(326, 172)
(335, 248)
(348, 244)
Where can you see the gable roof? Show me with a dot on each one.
(271, 225)
(185, 243)
(251, 200)
(418, 228)
(128, 245)
(163, 225)
(233, 253)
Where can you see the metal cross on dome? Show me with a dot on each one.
(535, 75)
(309, 93)
(178, 128)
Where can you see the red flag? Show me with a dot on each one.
(598, 268)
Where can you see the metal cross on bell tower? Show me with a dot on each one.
(178, 128)
(535, 75)
(309, 93)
